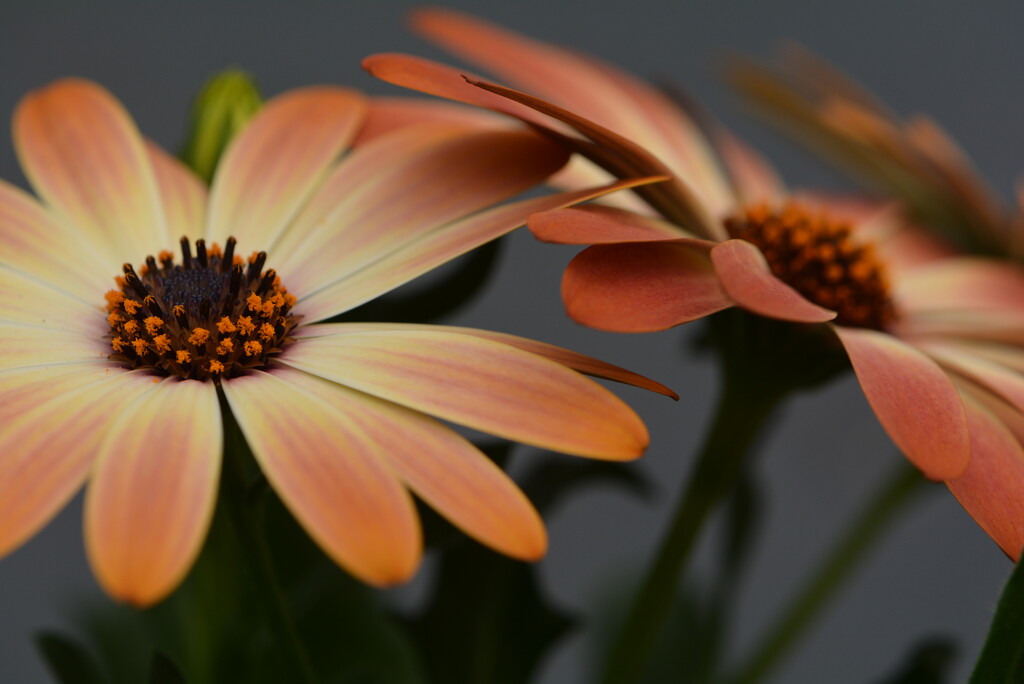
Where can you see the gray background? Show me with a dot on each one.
(936, 573)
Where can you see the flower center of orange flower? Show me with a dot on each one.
(819, 258)
(213, 315)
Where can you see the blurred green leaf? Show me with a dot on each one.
(1002, 658)
(223, 106)
(162, 670)
(69, 662)
(928, 663)
(555, 477)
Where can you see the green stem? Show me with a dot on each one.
(746, 402)
(246, 515)
(834, 570)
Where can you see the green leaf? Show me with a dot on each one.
(69, 662)
(1002, 658)
(221, 109)
(928, 663)
(162, 670)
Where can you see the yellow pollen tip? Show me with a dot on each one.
(178, 310)
(114, 298)
(166, 255)
(266, 331)
(140, 346)
(183, 356)
(214, 250)
(225, 347)
(131, 327)
(216, 366)
(199, 336)
(224, 325)
(118, 344)
(163, 343)
(254, 302)
(253, 348)
(245, 325)
(131, 306)
(113, 319)
(153, 324)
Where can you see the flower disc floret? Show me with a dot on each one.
(187, 319)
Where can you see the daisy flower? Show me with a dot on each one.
(933, 339)
(115, 365)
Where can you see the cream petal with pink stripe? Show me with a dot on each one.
(83, 155)
(182, 193)
(329, 471)
(151, 495)
(31, 302)
(278, 160)
(22, 345)
(481, 384)
(441, 467)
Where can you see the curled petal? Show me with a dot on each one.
(641, 287)
(914, 400)
(746, 278)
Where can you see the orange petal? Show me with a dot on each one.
(641, 286)
(596, 224)
(390, 113)
(329, 472)
(752, 176)
(34, 244)
(444, 469)
(968, 283)
(276, 162)
(434, 248)
(83, 155)
(41, 467)
(182, 193)
(913, 399)
(990, 489)
(152, 492)
(481, 384)
(997, 378)
(746, 277)
(579, 362)
(388, 194)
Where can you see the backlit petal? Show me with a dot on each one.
(328, 470)
(83, 155)
(182, 193)
(998, 379)
(746, 277)
(444, 469)
(913, 399)
(593, 224)
(969, 283)
(151, 496)
(278, 160)
(22, 345)
(641, 287)
(389, 113)
(30, 302)
(481, 384)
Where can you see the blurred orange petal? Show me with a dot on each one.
(597, 224)
(389, 113)
(182, 193)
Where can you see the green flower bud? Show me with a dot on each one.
(223, 106)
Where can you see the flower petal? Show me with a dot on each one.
(746, 277)
(277, 161)
(29, 302)
(182, 193)
(444, 469)
(996, 378)
(83, 155)
(597, 224)
(434, 248)
(390, 193)
(330, 474)
(641, 286)
(41, 467)
(481, 384)
(579, 362)
(152, 492)
(913, 399)
(990, 489)
(390, 113)
(963, 283)
(32, 243)
(22, 345)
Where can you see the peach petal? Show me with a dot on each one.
(963, 283)
(434, 248)
(913, 399)
(997, 326)
(995, 377)
(34, 385)
(328, 470)
(83, 155)
(444, 469)
(752, 176)
(152, 492)
(33, 346)
(746, 277)
(33, 243)
(597, 224)
(278, 160)
(30, 302)
(579, 362)
(41, 468)
(641, 286)
(990, 489)
(481, 384)
(385, 198)
(182, 193)
(387, 114)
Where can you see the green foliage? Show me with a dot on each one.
(223, 106)
(1002, 658)
(69, 661)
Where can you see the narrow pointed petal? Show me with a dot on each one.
(83, 155)
(32, 243)
(913, 399)
(182, 193)
(594, 224)
(28, 301)
(746, 277)
(382, 199)
(434, 248)
(387, 114)
(442, 468)
(41, 468)
(328, 470)
(480, 384)
(990, 489)
(278, 160)
(151, 496)
(641, 287)
(579, 362)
